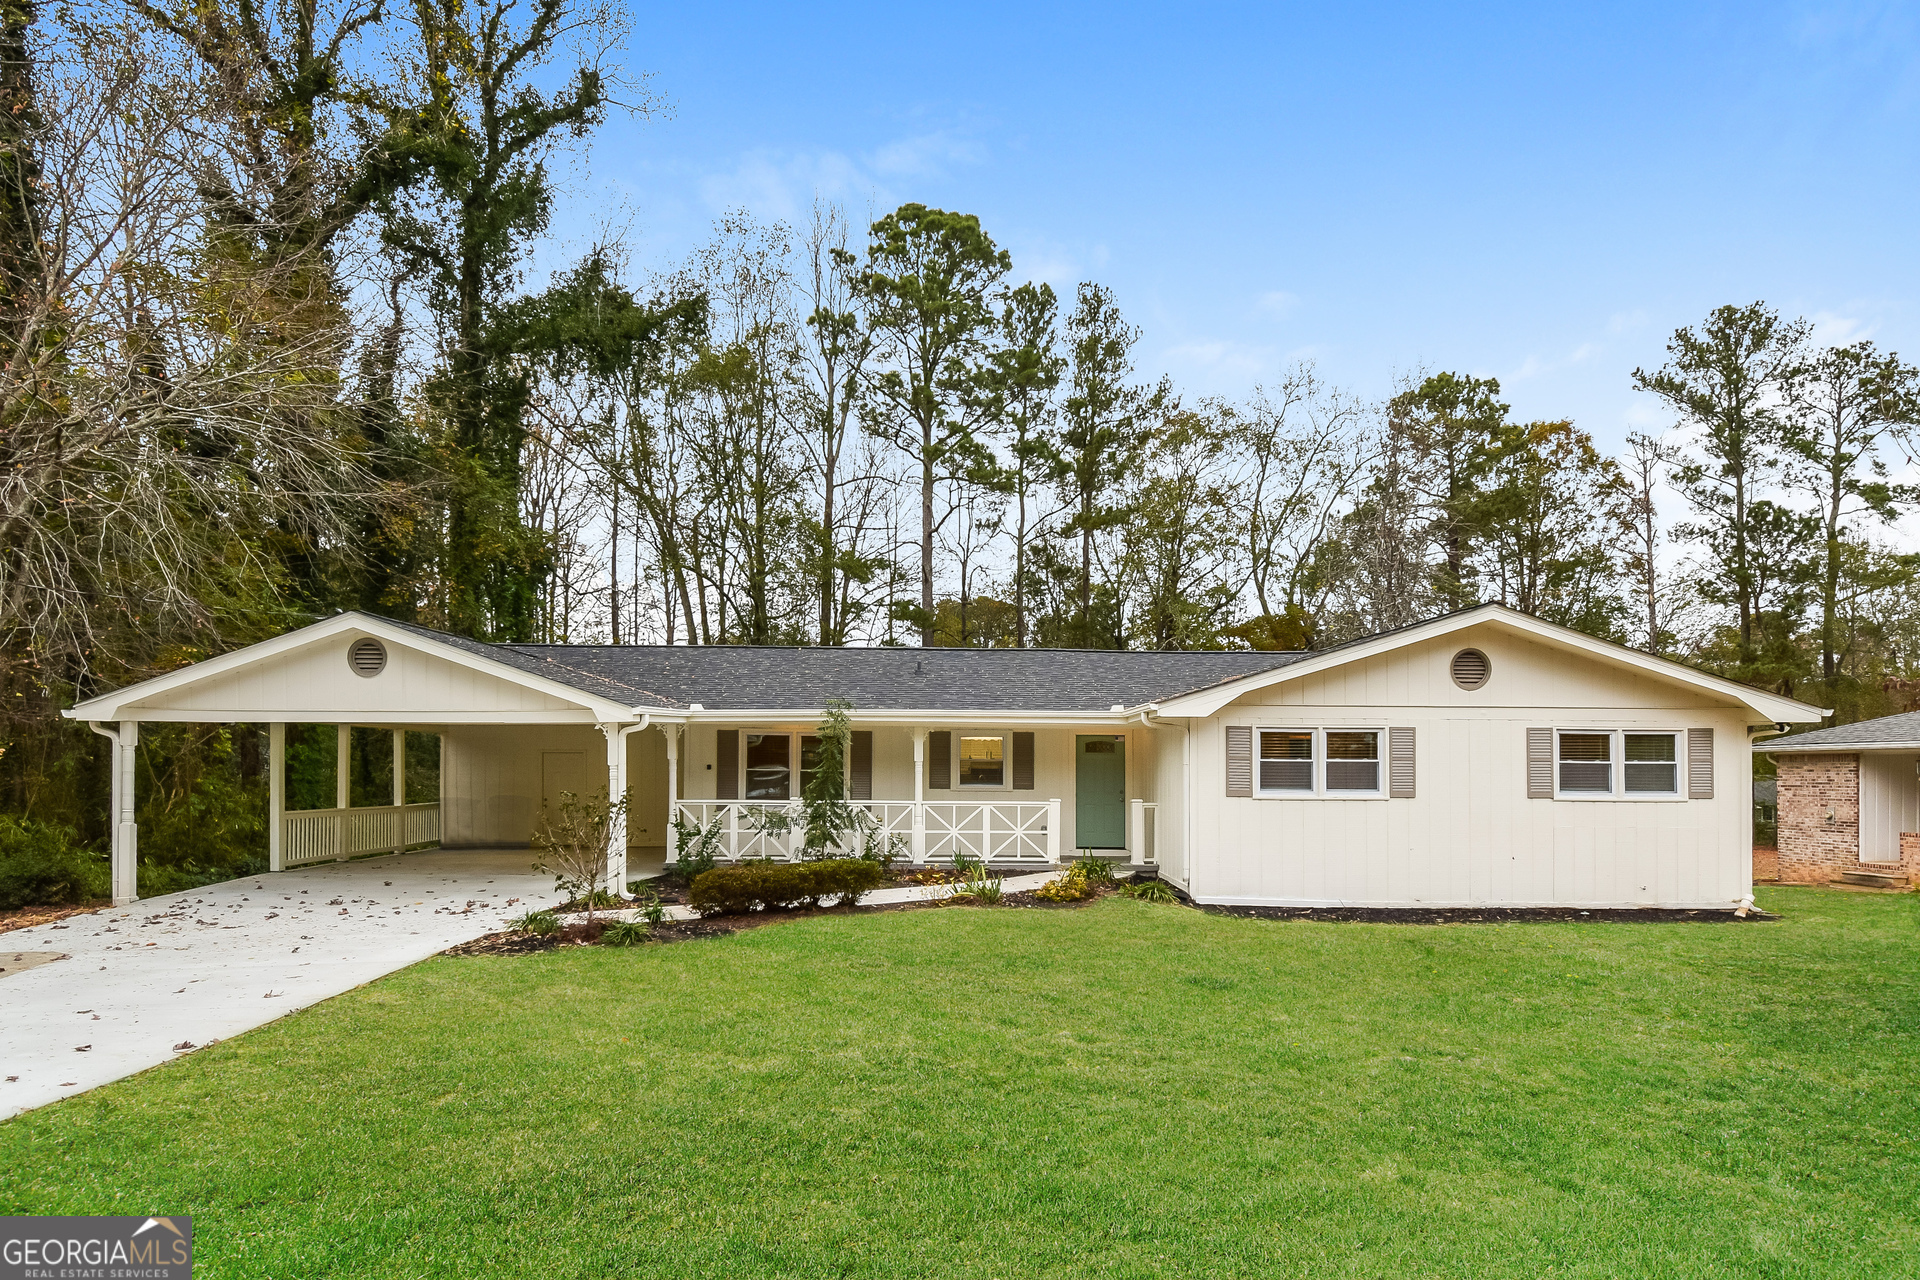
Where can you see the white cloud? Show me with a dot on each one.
(928, 155)
(783, 184)
(1278, 303)
(1834, 330)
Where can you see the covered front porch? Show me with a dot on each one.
(508, 733)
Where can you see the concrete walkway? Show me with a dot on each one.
(138, 983)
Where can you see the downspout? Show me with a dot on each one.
(1778, 728)
(620, 739)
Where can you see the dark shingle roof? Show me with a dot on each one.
(1885, 732)
(742, 677)
(530, 659)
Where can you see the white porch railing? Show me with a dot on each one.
(995, 832)
(325, 835)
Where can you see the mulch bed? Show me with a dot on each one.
(576, 935)
(1490, 915)
(27, 917)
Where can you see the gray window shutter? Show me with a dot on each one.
(726, 765)
(1023, 762)
(939, 760)
(1539, 764)
(1239, 760)
(1699, 764)
(860, 767)
(1400, 764)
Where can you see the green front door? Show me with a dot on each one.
(1100, 791)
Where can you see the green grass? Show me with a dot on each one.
(1128, 1090)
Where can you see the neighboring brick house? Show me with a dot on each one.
(1849, 802)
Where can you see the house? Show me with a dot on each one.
(1849, 802)
(1485, 757)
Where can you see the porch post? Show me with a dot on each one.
(342, 787)
(399, 790)
(276, 796)
(919, 795)
(1137, 832)
(617, 808)
(672, 734)
(1053, 831)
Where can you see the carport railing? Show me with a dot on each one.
(327, 835)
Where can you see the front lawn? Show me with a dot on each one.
(1126, 1090)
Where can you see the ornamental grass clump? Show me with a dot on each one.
(760, 886)
(1151, 891)
(626, 933)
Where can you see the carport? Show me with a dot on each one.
(513, 729)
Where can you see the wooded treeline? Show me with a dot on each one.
(276, 347)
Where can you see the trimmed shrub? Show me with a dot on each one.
(41, 865)
(754, 886)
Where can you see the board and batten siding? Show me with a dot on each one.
(316, 683)
(1889, 803)
(491, 776)
(1470, 835)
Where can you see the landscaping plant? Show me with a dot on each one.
(538, 924)
(626, 933)
(573, 841)
(756, 886)
(1151, 891)
(695, 848)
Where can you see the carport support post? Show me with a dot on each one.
(276, 796)
(342, 787)
(125, 858)
(400, 790)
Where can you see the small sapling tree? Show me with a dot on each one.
(572, 840)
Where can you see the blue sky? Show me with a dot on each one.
(1538, 192)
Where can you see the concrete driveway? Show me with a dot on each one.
(144, 984)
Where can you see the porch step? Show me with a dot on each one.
(1874, 879)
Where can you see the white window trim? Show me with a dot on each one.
(1617, 762)
(1006, 759)
(1319, 790)
(795, 782)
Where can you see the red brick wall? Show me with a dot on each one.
(1815, 848)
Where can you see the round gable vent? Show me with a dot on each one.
(1470, 668)
(367, 657)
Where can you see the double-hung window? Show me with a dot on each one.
(1318, 762)
(1615, 763)
(981, 760)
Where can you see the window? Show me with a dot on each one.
(1601, 764)
(809, 760)
(1353, 760)
(1652, 764)
(1286, 760)
(983, 760)
(1586, 763)
(768, 768)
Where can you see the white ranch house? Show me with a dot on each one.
(1483, 758)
